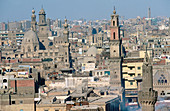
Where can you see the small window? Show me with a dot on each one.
(45, 110)
(21, 102)
(13, 102)
(55, 66)
(46, 54)
(113, 23)
(56, 53)
(5, 81)
(51, 54)
(139, 68)
(131, 83)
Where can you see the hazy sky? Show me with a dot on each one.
(15, 10)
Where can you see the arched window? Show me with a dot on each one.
(35, 48)
(113, 35)
(29, 49)
(162, 79)
(113, 23)
(4, 81)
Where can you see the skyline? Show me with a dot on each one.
(90, 10)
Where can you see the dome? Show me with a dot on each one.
(92, 51)
(30, 37)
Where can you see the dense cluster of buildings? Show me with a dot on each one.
(55, 65)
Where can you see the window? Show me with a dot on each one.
(42, 40)
(40, 54)
(162, 79)
(46, 54)
(131, 83)
(56, 53)
(55, 66)
(139, 74)
(21, 102)
(115, 76)
(4, 81)
(13, 102)
(113, 35)
(65, 53)
(51, 54)
(113, 23)
(139, 68)
(131, 75)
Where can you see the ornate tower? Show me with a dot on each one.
(66, 32)
(43, 30)
(147, 96)
(33, 21)
(115, 52)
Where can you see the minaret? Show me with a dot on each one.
(149, 13)
(149, 17)
(115, 65)
(33, 21)
(42, 20)
(147, 97)
(43, 30)
(115, 52)
(66, 32)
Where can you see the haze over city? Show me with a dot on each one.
(15, 10)
(91, 55)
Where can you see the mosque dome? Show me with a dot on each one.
(92, 51)
(30, 37)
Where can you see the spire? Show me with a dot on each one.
(33, 20)
(42, 10)
(8, 25)
(114, 11)
(146, 59)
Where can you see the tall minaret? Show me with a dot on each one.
(115, 52)
(149, 17)
(66, 32)
(42, 21)
(115, 61)
(33, 21)
(149, 13)
(43, 30)
(147, 96)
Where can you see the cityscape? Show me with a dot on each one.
(114, 64)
